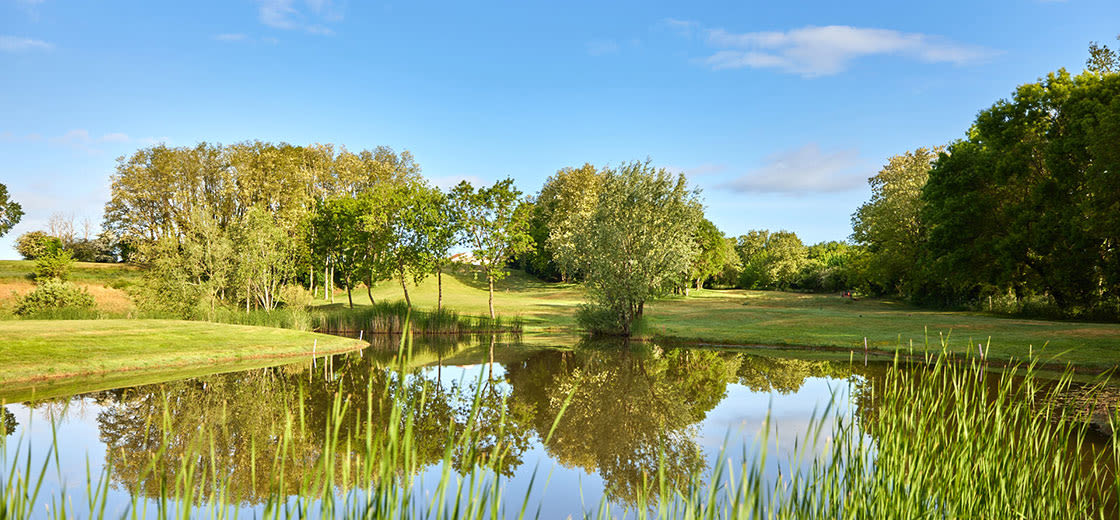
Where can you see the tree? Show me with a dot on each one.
(639, 241)
(715, 255)
(343, 241)
(33, 244)
(890, 225)
(495, 223)
(10, 211)
(771, 260)
(1028, 203)
(1102, 60)
(566, 203)
(406, 222)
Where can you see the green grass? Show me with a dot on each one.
(731, 317)
(37, 351)
(737, 317)
(82, 272)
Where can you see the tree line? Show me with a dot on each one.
(1022, 214)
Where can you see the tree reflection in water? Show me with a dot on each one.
(630, 408)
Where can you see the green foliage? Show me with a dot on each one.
(889, 226)
(1028, 203)
(10, 211)
(295, 296)
(56, 263)
(639, 241)
(54, 294)
(495, 224)
(771, 260)
(716, 256)
(33, 244)
(565, 205)
(412, 228)
(1102, 60)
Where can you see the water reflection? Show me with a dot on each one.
(625, 409)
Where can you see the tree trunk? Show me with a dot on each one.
(349, 286)
(697, 283)
(369, 286)
(331, 284)
(641, 308)
(407, 300)
(311, 275)
(491, 280)
(326, 278)
(439, 284)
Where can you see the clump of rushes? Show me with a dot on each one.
(944, 439)
(390, 318)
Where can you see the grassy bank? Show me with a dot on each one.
(730, 317)
(36, 352)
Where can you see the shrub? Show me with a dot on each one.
(53, 294)
(599, 320)
(55, 264)
(33, 244)
(295, 296)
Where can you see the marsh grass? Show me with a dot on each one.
(944, 439)
(391, 317)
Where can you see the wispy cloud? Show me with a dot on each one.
(20, 44)
(815, 51)
(803, 170)
(311, 16)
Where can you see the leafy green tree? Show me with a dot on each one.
(639, 241)
(33, 244)
(771, 260)
(495, 224)
(10, 211)
(409, 225)
(344, 241)
(1027, 204)
(566, 203)
(889, 226)
(716, 254)
(1102, 60)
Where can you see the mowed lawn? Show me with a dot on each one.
(738, 317)
(41, 350)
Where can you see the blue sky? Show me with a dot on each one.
(777, 111)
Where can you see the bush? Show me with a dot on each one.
(599, 320)
(54, 294)
(295, 296)
(55, 264)
(34, 244)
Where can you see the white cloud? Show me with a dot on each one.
(803, 170)
(19, 44)
(310, 17)
(815, 51)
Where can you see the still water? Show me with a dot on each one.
(627, 406)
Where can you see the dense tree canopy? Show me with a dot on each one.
(639, 241)
(1030, 201)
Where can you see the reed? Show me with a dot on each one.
(944, 439)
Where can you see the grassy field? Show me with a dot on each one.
(33, 352)
(731, 317)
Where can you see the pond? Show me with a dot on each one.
(576, 427)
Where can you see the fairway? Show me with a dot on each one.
(739, 317)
